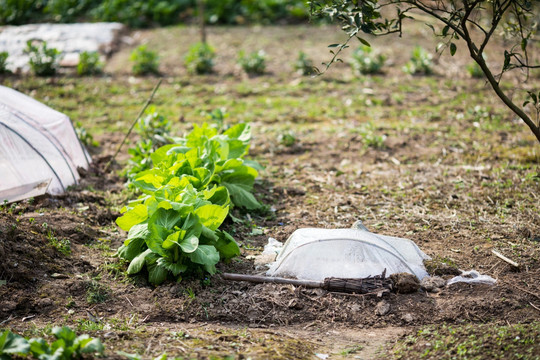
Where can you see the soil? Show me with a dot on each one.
(324, 180)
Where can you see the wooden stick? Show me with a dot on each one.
(504, 258)
(148, 101)
(361, 286)
(268, 279)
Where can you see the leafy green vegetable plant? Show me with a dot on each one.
(12, 344)
(89, 63)
(154, 131)
(174, 225)
(67, 345)
(420, 63)
(364, 61)
(304, 65)
(200, 58)
(145, 62)
(3, 62)
(43, 60)
(253, 63)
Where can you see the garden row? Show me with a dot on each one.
(200, 60)
(140, 13)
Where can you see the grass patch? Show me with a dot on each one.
(472, 341)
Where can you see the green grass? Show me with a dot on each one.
(472, 341)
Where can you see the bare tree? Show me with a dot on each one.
(460, 19)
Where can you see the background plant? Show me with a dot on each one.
(3, 62)
(253, 63)
(43, 60)
(84, 136)
(145, 62)
(154, 131)
(475, 71)
(304, 65)
(200, 58)
(364, 61)
(89, 63)
(139, 13)
(515, 19)
(420, 62)
(67, 345)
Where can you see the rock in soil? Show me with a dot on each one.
(382, 308)
(432, 283)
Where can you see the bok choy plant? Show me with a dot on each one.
(174, 225)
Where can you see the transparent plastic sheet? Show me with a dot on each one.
(315, 254)
(37, 145)
(472, 277)
(52, 124)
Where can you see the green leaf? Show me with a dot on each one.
(132, 217)
(156, 273)
(241, 195)
(64, 333)
(138, 231)
(363, 41)
(240, 131)
(89, 345)
(212, 216)
(206, 255)
(166, 218)
(41, 350)
(172, 239)
(333, 45)
(138, 262)
(189, 244)
(445, 30)
(218, 195)
(129, 356)
(131, 248)
(453, 49)
(226, 245)
(11, 343)
(176, 268)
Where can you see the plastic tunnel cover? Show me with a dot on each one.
(315, 254)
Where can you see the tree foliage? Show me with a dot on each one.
(472, 23)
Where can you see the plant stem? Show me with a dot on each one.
(148, 101)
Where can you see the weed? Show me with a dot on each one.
(43, 60)
(352, 350)
(217, 118)
(89, 63)
(304, 65)
(253, 63)
(369, 136)
(3, 62)
(86, 325)
(84, 136)
(96, 293)
(145, 62)
(486, 341)
(364, 61)
(420, 63)
(287, 138)
(62, 245)
(475, 71)
(200, 58)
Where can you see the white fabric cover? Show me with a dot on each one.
(315, 254)
(37, 144)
